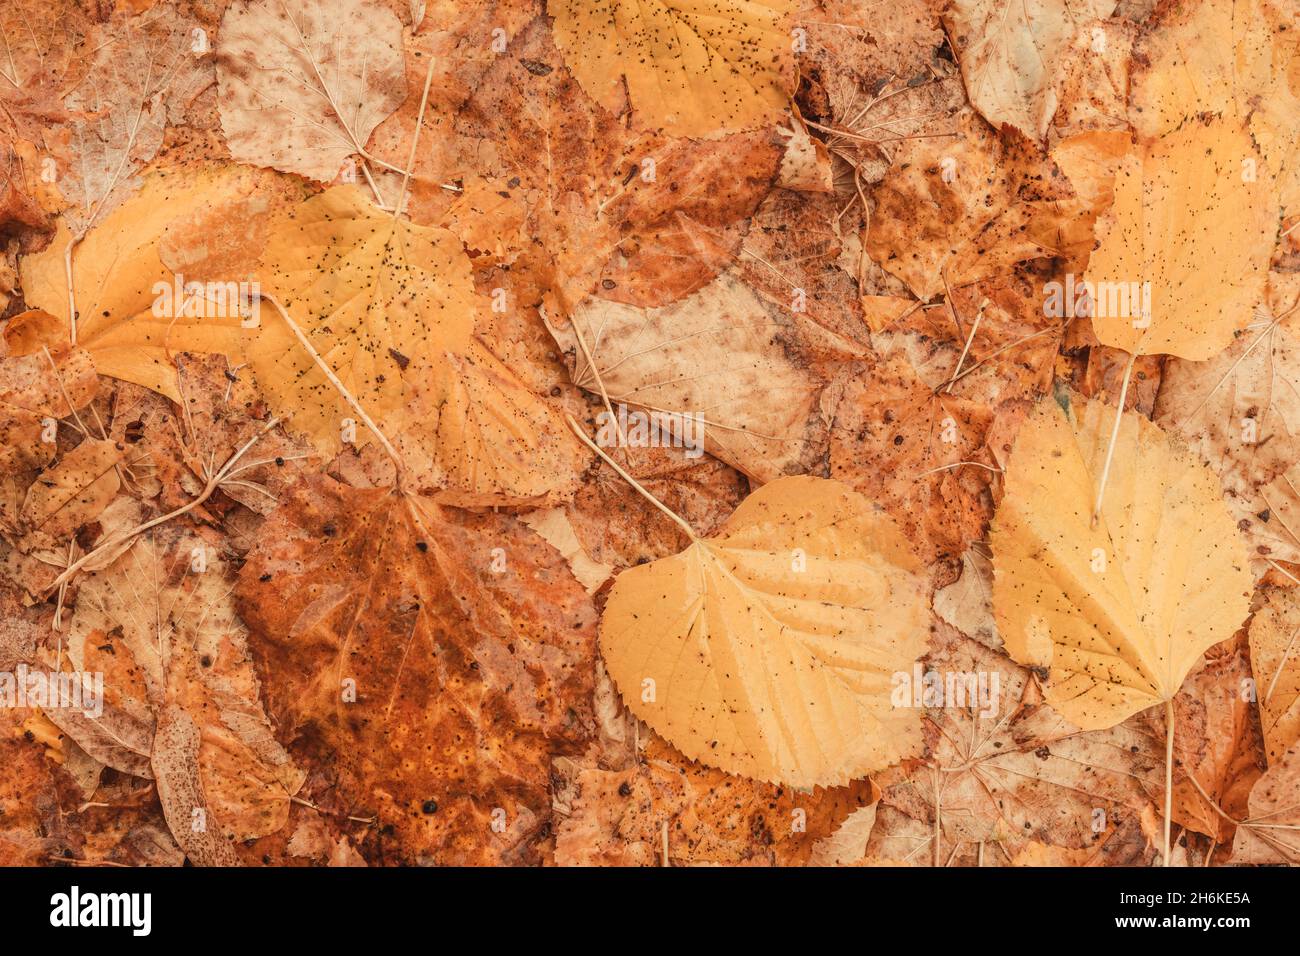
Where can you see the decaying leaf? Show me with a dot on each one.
(304, 85)
(159, 624)
(716, 371)
(1011, 52)
(1270, 835)
(1275, 665)
(435, 661)
(1003, 767)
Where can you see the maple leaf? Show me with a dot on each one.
(435, 688)
(753, 642)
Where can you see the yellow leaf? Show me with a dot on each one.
(691, 67)
(372, 294)
(1184, 251)
(1120, 612)
(768, 649)
(389, 306)
(119, 276)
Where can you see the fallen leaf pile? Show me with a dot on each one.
(705, 432)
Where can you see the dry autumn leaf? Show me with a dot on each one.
(435, 661)
(1120, 612)
(781, 629)
(130, 316)
(1011, 54)
(696, 369)
(671, 433)
(303, 86)
(1275, 664)
(691, 68)
(1183, 252)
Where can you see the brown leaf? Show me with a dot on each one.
(436, 687)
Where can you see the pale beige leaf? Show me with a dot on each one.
(304, 84)
(1011, 52)
(142, 75)
(720, 365)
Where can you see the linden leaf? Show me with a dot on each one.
(434, 661)
(691, 67)
(1184, 250)
(371, 293)
(34, 389)
(1122, 611)
(767, 649)
(669, 810)
(303, 85)
(71, 493)
(1010, 53)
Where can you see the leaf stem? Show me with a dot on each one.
(114, 540)
(577, 429)
(338, 385)
(1114, 436)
